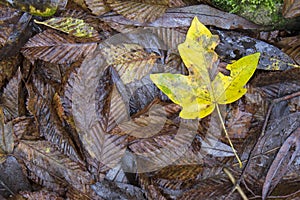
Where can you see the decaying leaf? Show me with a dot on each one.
(198, 98)
(139, 10)
(56, 48)
(70, 25)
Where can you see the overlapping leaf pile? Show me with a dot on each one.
(81, 119)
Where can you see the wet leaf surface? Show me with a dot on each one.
(81, 119)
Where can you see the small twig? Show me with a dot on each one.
(237, 186)
(227, 136)
(7, 188)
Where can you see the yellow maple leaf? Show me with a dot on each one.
(199, 92)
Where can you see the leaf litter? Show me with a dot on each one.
(81, 116)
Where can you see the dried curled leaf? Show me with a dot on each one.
(139, 10)
(70, 25)
(55, 48)
(199, 92)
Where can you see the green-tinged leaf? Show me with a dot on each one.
(139, 10)
(43, 8)
(203, 88)
(72, 26)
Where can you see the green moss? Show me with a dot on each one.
(264, 12)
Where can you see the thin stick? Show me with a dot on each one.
(237, 187)
(227, 136)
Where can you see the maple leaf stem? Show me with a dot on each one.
(227, 136)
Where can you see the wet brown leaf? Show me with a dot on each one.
(130, 61)
(290, 46)
(285, 156)
(12, 105)
(53, 47)
(8, 67)
(291, 8)
(47, 163)
(15, 31)
(139, 10)
(6, 137)
(47, 119)
(104, 150)
(238, 121)
(98, 7)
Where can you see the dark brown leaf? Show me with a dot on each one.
(8, 67)
(47, 163)
(48, 120)
(139, 10)
(290, 46)
(53, 47)
(104, 150)
(16, 31)
(10, 98)
(238, 121)
(285, 156)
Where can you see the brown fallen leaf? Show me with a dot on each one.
(291, 8)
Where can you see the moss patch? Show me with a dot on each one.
(263, 12)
